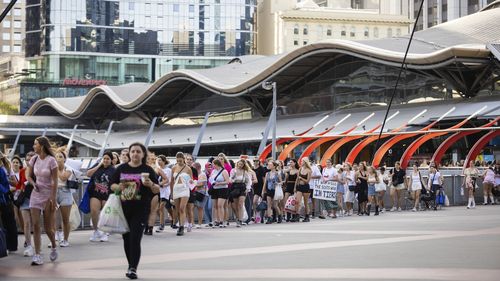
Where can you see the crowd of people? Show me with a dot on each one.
(221, 192)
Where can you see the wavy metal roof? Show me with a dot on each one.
(461, 40)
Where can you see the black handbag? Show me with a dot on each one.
(71, 184)
(24, 194)
(199, 196)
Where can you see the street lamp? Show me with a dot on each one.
(267, 85)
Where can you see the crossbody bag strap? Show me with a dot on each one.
(178, 174)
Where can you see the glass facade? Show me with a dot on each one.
(126, 41)
(352, 82)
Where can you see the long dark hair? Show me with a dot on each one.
(144, 151)
(18, 159)
(45, 143)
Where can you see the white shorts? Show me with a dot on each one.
(180, 190)
(349, 196)
(415, 187)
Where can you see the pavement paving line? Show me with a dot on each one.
(201, 255)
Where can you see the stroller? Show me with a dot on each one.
(428, 197)
(434, 198)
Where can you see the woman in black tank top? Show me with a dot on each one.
(290, 179)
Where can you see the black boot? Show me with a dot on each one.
(368, 209)
(180, 231)
(295, 218)
(376, 210)
(306, 219)
(288, 217)
(280, 218)
(148, 230)
(269, 220)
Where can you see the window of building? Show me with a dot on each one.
(17, 12)
(17, 48)
(398, 32)
(176, 8)
(296, 30)
(17, 36)
(353, 31)
(191, 8)
(295, 42)
(329, 31)
(6, 48)
(131, 6)
(304, 42)
(389, 32)
(305, 31)
(6, 23)
(320, 31)
(367, 32)
(343, 31)
(148, 7)
(17, 24)
(6, 36)
(375, 32)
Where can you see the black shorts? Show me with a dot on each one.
(192, 198)
(290, 187)
(304, 188)
(98, 195)
(238, 190)
(270, 193)
(222, 193)
(257, 190)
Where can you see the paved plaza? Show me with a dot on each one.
(451, 244)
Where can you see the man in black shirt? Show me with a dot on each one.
(398, 186)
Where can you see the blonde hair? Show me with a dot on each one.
(223, 157)
(306, 163)
(246, 168)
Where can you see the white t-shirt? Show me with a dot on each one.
(434, 178)
(329, 174)
(350, 178)
(315, 173)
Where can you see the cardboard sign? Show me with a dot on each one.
(326, 191)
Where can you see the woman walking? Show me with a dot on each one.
(182, 177)
(350, 179)
(381, 188)
(271, 182)
(64, 198)
(164, 192)
(260, 173)
(137, 182)
(17, 166)
(24, 207)
(302, 190)
(43, 167)
(415, 185)
(436, 182)
(240, 178)
(220, 191)
(99, 189)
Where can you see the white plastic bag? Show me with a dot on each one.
(446, 201)
(278, 193)
(74, 217)
(112, 219)
(245, 215)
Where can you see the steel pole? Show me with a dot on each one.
(150, 132)
(197, 146)
(273, 112)
(108, 132)
(13, 151)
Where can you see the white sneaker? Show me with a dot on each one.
(53, 255)
(198, 226)
(189, 227)
(28, 251)
(95, 236)
(383, 210)
(393, 209)
(59, 236)
(399, 209)
(37, 260)
(64, 243)
(104, 237)
(414, 209)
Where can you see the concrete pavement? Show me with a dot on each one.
(450, 244)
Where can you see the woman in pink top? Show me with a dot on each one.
(44, 167)
(227, 166)
(488, 184)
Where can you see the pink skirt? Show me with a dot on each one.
(39, 199)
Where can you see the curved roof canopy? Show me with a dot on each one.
(455, 51)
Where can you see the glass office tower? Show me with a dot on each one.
(83, 43)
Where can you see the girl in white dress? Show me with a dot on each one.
(182, 178)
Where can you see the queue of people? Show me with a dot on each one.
(150, 187)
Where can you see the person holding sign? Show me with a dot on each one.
(302, 190)
(329, 176)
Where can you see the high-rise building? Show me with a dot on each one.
(12, 60)
(285, 25)
(435, 12)
(74, 45)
